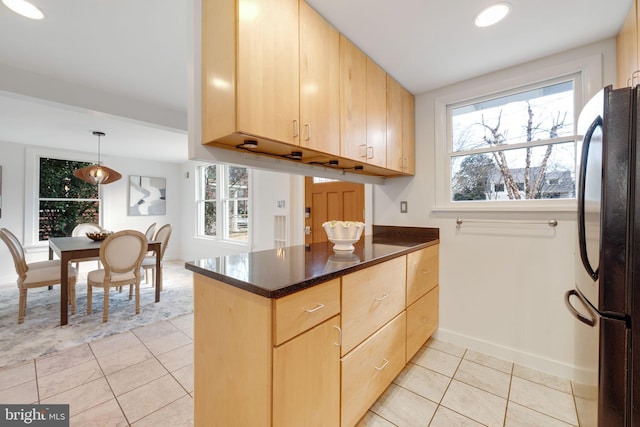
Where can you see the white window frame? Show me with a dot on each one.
(222, 201)
(587, 73)
(32, 191)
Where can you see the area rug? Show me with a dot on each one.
(41, 333)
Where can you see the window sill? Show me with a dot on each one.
(522, 206)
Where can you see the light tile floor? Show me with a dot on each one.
(144, 377)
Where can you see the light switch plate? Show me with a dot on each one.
(403, 207)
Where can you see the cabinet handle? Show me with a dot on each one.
(425, 272)
(369, 152)
(382, 298)
(425, 319)
(384, 365)
(307, 128)
(339, 343)
(363, 150)
(296, 129)
(313, 310)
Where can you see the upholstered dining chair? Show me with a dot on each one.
(149, 261)
(81, 230)
(151, 230)
(35, 274)
(121, 255)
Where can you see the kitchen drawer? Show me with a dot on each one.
(303, 310)
(422, 321)
(370, 298)
(369, 369)
(422, 272)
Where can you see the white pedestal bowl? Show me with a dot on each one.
(343, 234)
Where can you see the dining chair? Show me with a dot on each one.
(35, 274)
(149, 233)
(149, 261)
(81, 230)
(121, 255)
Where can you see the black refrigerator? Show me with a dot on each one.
(606, 296)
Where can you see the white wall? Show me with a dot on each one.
(502, 286)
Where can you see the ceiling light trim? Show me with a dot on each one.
(492, 15)
(24, 8)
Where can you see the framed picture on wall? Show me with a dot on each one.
(147, 195)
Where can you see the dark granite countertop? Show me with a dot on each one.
(275, 273)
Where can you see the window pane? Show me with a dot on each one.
(238, 220)
(209, 226)
(531, 115)
(238, 180)
(209, 186)
(504, 175)
(58, 182)
(58, 218)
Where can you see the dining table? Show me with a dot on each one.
(71, 248)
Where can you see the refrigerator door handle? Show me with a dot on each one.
(581, 198)
(588, 320)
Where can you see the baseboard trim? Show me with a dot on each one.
(525, 359)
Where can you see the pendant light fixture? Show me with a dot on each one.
(97, 174)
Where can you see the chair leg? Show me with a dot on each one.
(105, 306)
(130, 292)
(22, 305)
(146, 277)
(72, 296)
(138, 297)
(89, 295)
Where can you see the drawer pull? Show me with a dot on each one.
(312, 310)
(425, 272)
(425, 319)
(384, 365)
(339, 343)
(382, 298)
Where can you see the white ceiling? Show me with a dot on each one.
(121, 66)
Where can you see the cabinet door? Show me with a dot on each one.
(370, 368)
(422, 321)
(353, 101)
(370, 298)
(394, 124)
(376, 114)
(627, 48)
(422, 272)
(268, 69)
(408, 132)
(319, 82)
(306, 378)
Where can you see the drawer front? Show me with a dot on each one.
(370, 298)
(369, 369)
(422, 272)
(422, 321)
(303, 310)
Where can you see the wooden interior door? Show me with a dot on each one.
(333, 200)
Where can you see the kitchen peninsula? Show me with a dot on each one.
(304, 336)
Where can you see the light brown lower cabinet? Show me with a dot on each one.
(369, 369)
(319, 357)
(306, 378)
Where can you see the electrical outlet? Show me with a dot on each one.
(403, 207)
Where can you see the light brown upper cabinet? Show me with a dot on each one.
(627, 48)
(363, 106)
(400, 128)
(250, 81)
(376, 114)
(353, 101)
(319, 82)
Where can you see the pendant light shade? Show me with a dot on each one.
(97, 174)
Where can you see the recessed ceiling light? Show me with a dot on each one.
(24, 8)
(492, 14)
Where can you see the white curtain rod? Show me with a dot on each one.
(550, 223)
